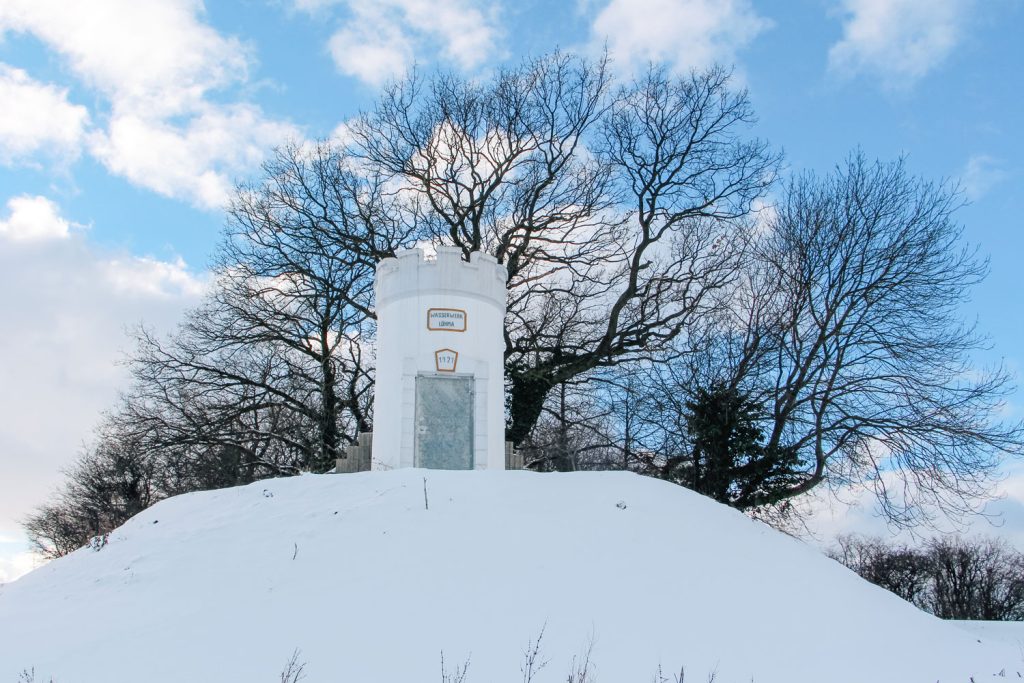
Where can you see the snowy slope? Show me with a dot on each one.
(1010, 631)
(371, 586)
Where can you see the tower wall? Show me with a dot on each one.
(438, 318)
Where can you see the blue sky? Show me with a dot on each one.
(125, 124)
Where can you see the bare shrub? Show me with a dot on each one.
(581, 668)
(953, 578)
(457, 675)
(294, 670)
(532, 661)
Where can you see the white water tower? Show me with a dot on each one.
(439, 398)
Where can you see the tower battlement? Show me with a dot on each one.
(410, 273)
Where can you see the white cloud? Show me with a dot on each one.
(371, 47)
(66, 304)
(154, 57)
(33, 219)
(314, 6)
(381, 37)
(898, 41)
(157, 64)
(466, 35)
(981, 173)
(342, 133)
(684, 33)
(856, 512)
(16, 564)
(145, 276)
(194, 159)
(37, 117)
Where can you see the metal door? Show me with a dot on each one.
(444, 422)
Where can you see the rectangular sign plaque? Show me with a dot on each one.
(446, 319)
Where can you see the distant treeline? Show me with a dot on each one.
(953, 578)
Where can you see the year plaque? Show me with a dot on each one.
(445, 360)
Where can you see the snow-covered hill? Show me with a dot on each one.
(371, 585)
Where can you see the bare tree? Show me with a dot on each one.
(900, 569)
(574, 430)
(217, 432)
(281, 344)
(111, 481)
(270, 374)
(635, 421)
(847, 331)
(982, 579)
(616, 212)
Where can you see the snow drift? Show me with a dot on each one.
(372, 585)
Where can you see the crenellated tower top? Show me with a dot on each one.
(411, 273)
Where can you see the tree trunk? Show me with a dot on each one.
(526, 400)
(328, 419)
